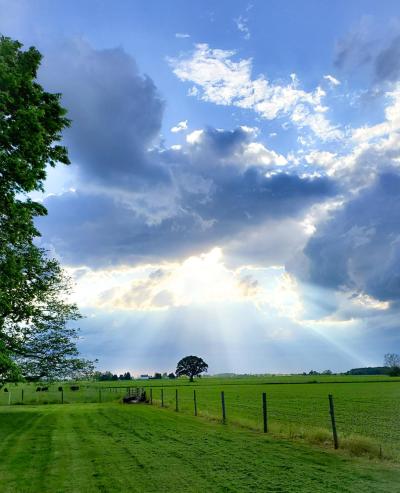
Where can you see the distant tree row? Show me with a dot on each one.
(164, 375)
(369, 370)
(392, 367)
(391, 362)
(108, 376)
(313, 372)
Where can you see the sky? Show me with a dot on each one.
(234, 187)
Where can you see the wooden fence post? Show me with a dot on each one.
(62, 396)
(332, 413)
(223, 407)
(99, 395)
(176, 400)
(195, 402)
(162, 397)
(265, 418)
(151, 396)
(22, 396)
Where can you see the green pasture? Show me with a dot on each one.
(366, 409)
(112, 447)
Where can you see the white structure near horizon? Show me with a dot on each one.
(144, 377)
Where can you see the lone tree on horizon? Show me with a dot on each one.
(191, 366)
(392, 361)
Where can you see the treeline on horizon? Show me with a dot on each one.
(371, 370)
(108, 376)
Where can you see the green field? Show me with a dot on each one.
(111, 447)
(366, 408)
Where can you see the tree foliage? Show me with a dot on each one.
(191, 366)
(35, 340)
(392, 361)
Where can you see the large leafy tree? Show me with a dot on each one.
(192, 366)
(35, 340)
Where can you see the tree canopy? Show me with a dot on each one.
(191, 366)
(35, 340)
(392, 361)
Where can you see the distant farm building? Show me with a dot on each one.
(144, 377)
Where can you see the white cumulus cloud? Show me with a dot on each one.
(226, 82)
(194, 137)
(256, 153)
(180, 127)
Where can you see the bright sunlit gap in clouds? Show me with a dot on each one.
(198, 283)
(197, 280)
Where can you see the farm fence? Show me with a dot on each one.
(361, 424)
(350, 417)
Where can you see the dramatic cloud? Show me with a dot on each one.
(99, 229)
(368, 150)
(358, 248)
(116, 113)
(140, 203)
(227, 82)
(196, 279)
(222, 187)
(238, 146)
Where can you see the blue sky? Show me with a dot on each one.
(235, 180)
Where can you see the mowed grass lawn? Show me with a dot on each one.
(112, 447)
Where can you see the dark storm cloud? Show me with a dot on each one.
(213, 147)
(358, 248)
(100, 230)
(223, 142)
(116, 112)
(250, 197)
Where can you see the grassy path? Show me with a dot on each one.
(113, 448)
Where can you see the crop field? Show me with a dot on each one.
(366, 409)
(111, 447)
